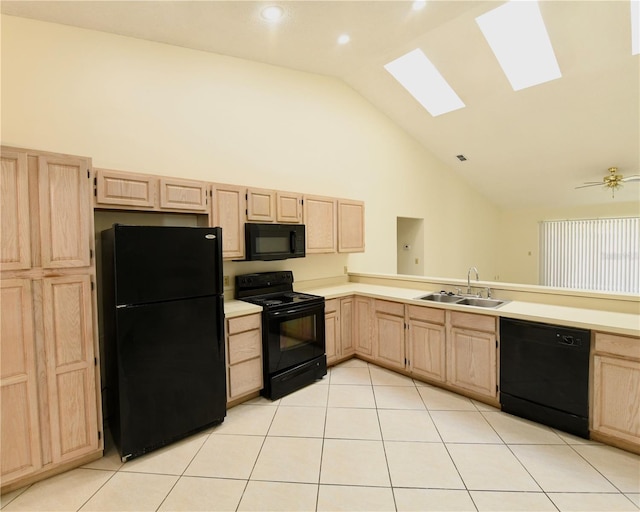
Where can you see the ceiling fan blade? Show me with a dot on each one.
(591, 184)
(634, 177)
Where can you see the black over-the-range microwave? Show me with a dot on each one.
(269, 242)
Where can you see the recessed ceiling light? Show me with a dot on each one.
(418, 5)
(417, 74)
(635, 27)
(272, 13)
(518, 37)
(344, 39)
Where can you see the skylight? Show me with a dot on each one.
(417, 74)
(518, 37)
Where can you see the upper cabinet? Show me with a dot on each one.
(115, 188)
(273, 206)
(126, 190)
(350, 226)
(320, 220)
(65, 199)
(289, 207)
(261, 205)
(187, 195)
(228, 212)
(15, 250)
(332, 225)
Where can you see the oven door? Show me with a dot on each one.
(293, 336)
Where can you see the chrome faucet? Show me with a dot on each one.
(469, 278)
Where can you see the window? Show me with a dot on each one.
(597, 254)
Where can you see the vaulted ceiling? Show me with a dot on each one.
(529, 148)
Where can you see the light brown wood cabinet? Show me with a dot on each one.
(244, 356)
(339, 329)
(183, 195)
(137, 191)
(426, 344)
(124, 189)
(472, 353)
(289, 207)
(15, 248)
(350, 226)
(363, 323)
(616, 390)
(389, 334)
(228, 212)
(51, 417)
(320, 220)
(261, 205)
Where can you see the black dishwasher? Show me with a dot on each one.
(544, 374)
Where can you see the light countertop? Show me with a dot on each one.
(606, 321)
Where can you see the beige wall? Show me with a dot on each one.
(519, 251)
(147, 107)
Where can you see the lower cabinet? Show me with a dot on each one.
(389, 334)
(426, 343)
(362, 325)
(244, 356)
(472, 353)
(616, 389)
(49, 408)
(339, 329)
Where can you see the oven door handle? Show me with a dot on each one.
(296, 310)
(292, 242)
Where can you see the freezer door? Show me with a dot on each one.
(156, 263)
(171, 371)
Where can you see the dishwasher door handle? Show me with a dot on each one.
(569, 340)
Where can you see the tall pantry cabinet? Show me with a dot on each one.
(50, 417)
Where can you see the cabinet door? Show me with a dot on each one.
(228, 212)
(350, 226)
(68, 332)
(427, 350)
(347, 322)
(15, 245)
(184, 195)
(363, 332)
(320, 221)
(332, 335)
(389, 346)
(261, 205)
(65, 211)
(289, 207)
(20, 432)
(472, 361)
(616, 390)
(116, 188)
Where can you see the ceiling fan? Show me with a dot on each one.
(612, 181)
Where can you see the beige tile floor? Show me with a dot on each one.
(364, 439)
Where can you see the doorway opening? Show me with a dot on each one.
(410, 246)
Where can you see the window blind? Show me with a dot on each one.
(594, 254)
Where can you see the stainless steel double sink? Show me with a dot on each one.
(463, 300)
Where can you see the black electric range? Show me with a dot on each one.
(293, 331)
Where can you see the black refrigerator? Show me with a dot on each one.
(163, 333)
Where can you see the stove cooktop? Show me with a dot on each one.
(271, 290)
(279, 299)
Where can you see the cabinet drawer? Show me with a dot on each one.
(432, 315)
(623, 346)
(243, 346)
(243, 323)
(473, 321)
(391, 308)
(331, 305)
(245, 377)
